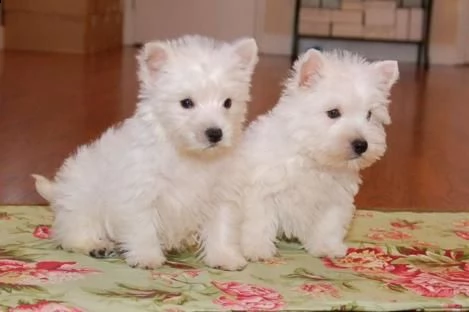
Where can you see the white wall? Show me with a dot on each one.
(146, 20)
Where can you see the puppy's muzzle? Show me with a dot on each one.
(214, 135)
(359, 146)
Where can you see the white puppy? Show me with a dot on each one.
(146, 184)
(297, 170)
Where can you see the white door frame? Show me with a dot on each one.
(128, 31)
(463, 30)
(270, 43)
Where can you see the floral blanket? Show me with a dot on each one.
(396, 261)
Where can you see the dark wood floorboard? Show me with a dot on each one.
(50, 103)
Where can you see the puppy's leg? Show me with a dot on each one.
(82, 233)
(328, 232)
(140, 242)
(259, 227)
(221, 239)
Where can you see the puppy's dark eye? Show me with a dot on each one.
(333, 113)
(227, 103)
(369, 115)
(187, 103)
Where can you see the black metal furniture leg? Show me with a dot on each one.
(426, 39)
(426, 59)
(296, 19)
(419, 55)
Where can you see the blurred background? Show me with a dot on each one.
(67, 72)
(90, 26)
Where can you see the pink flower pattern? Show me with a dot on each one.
(318, 289)
(43, 272)
(363, 260)
(177, 276)
(381, 235)
(42, 232)
(439, 285)
(399, 258)
(462, 234)
(44, 306)
(249, 297)
(404, 224)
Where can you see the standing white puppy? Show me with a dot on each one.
(297, 170)
(146, 184)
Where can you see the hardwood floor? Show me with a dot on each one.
(51, 103)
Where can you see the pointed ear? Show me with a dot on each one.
(247, 50)
(382, 114)
(152, 56)
(389, 72)
(310, 65)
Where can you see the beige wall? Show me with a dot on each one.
(164, 19)
(279, 19)
(445, 22)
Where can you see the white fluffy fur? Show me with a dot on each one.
(146, 183)
(296, 172)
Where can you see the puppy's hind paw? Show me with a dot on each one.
(101, 248)
(103, 253)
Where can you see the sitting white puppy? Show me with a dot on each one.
(145, 185)
(297, 170)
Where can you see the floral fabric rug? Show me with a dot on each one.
(396, 261)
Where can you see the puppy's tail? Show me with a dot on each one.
(44, 187)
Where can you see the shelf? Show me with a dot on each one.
(422, 56)
(360, 39)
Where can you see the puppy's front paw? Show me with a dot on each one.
(257, 252)
(225, 260)
(336, 250)
(147, 259)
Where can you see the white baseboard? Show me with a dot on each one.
(446, 55)
(1, 38)
(439, 54)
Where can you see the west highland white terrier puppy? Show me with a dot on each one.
(145, 185)
(297, 171)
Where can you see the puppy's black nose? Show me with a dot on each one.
(214, 135)
(359, 146)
